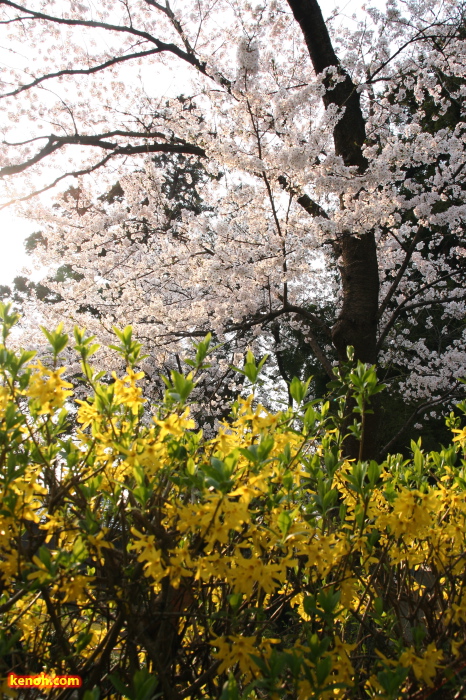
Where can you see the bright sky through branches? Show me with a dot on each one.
(14, 229)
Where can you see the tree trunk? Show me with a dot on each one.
(357, 322)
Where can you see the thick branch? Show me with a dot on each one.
(64, 643)
(310, 336)
(350, 131)
(75, 173)
(303, 200)
(161, 45)
(247, 324)
(57, 142)
(357, 321)
(309, 316)
(318, 352)
(261, 319)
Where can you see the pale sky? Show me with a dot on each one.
(14, 230)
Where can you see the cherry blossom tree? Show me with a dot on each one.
(332, 187)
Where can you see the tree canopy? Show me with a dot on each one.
(327, 175)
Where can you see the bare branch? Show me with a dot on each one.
(403, 305)
(417, 412)
(80, 71)
(401, 271)
(127, 150)
(57, 142)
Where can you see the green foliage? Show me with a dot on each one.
(251, 369)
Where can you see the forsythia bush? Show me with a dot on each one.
(155, 563)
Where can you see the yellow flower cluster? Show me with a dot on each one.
(47, 390)
(260, 555)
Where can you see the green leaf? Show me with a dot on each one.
(298, 389)
(285, 522)
(251, 370)
(119, 686)
(323, 669)
(8, 320)
(235, 600)
(57, 339)
(83, 640)
(93, 694)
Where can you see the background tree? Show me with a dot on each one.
(336, 193)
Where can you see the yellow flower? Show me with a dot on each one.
(180, 559)
(342, 666)
(87, 413)
(74, 588)
(98, 542)
(152, 455)
(251, 570)
(299, 601)
(132, 376)
(42, 574)
(411, 515)
(461, 437)
(175, 425)
(424, 667)
(235, 514)
(4, 399)
(149, 555)
(131, 395)
(225, 442)
(236, 650)
(47, 388)
(349, 591)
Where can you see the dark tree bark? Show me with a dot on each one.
(357, 322)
